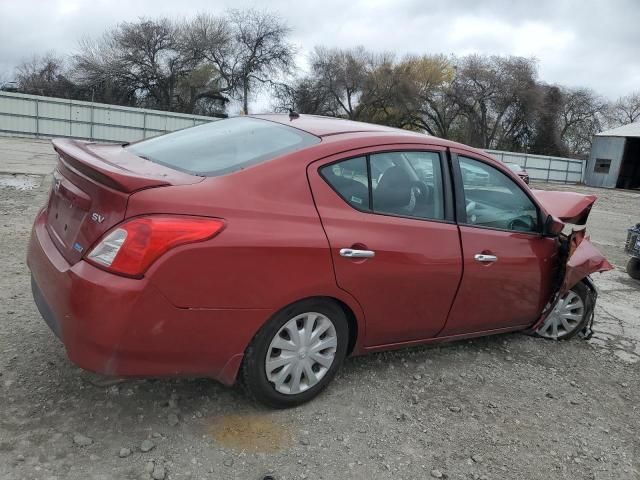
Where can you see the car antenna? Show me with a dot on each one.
(293, 114)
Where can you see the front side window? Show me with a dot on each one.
(223, 146)
(407, 184)
(493, 200)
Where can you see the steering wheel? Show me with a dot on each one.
(422, 196)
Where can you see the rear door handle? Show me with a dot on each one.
(481, 257)
(351, 253)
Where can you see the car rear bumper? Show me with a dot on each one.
(126, 327)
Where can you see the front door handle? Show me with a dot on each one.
(481, 257)
(351, 253)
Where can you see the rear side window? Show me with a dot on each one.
(349, 178)
(223, 146)
(402, 184)
(407, 184)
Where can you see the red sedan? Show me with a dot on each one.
(269, 248)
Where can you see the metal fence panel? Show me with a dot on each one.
(22, 126)
(545, 168)
(17, 106)
(35, 116)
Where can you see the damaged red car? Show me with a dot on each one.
(266, 249)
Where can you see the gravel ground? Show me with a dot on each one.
(503, 407)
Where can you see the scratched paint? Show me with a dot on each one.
(251, 432)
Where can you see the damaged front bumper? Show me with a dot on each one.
(578, 257)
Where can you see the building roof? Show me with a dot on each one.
(630, 130)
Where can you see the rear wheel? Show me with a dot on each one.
(296, 354)
(568, 317)
(633, 268)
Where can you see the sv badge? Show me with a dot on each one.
(96, 217)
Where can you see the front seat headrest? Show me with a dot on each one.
(393, 190)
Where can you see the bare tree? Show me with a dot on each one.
(480, 100)
(342, 77)
(350, 83)
(303, 95)
(198, 65)
(492, 94)
(582, 114)
(154, 61)
(429, 102)
(625, 110)
(247, 48)
(337, 84)
(44, 75)
(261, 51)
(208, 39)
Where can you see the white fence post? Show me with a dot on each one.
(37, 120)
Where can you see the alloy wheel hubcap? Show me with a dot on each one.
(565, 317)
(301, 353)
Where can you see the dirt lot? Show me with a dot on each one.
(505, 407)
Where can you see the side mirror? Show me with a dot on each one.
(552, 226)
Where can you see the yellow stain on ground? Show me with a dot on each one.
(251, 432)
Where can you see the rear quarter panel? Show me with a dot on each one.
(272, 252)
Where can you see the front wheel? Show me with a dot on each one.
(633, 268)
(569, 316)
(296, 354)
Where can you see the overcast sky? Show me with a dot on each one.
(592, 43)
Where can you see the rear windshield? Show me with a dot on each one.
(223, 146)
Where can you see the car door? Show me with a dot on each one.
(388, 216)
(508, 264)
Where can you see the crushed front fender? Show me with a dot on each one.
(582, 259)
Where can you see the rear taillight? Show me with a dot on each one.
(131, 247)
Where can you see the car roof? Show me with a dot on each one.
(339, 129)
(324, 126)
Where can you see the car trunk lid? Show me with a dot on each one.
(91, 188)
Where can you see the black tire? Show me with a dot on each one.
(633, 268)
(582, 290)
(253, 373)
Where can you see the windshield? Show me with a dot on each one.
(223, 146)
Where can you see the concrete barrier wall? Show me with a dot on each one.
(46, 117)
